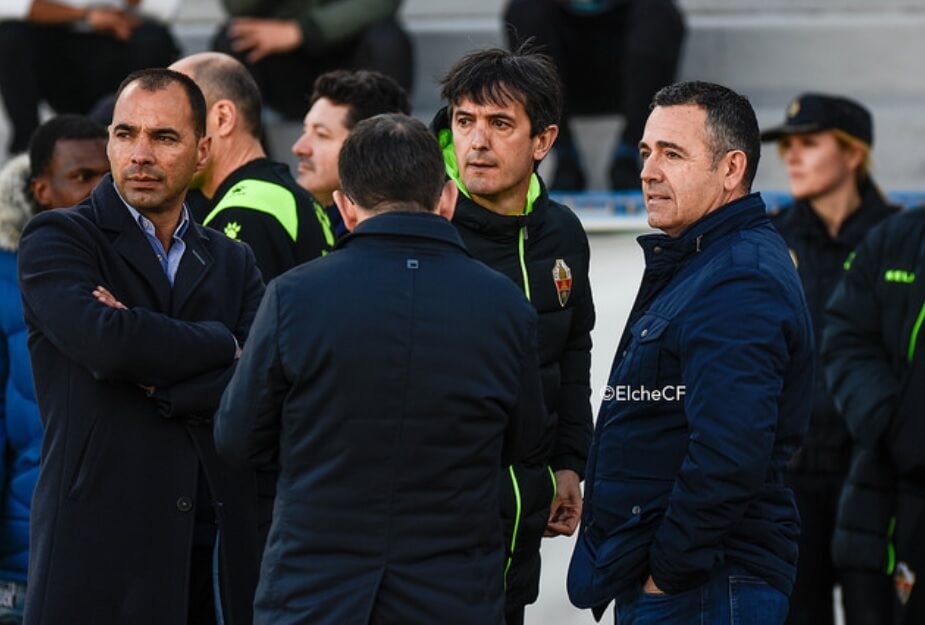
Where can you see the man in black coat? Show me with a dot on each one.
(135, 317)
(499, 124)
(391, 408)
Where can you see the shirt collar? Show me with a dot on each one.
(141, 220)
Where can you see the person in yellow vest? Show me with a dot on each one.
(250, 197)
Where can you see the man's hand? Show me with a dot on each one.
(102, 294)
(110, 21)
(262, 37)
(650, 588)
(565, 512)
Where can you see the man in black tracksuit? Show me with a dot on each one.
(825, 143)
(251, 198)
(500, 122)
(875, 368)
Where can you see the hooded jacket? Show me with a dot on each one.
(545, 252)
(20, 427)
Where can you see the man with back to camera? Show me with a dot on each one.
(389, 430)
(340, 100)
(136, 314)
(251, 198)
(499, 124)
(67, 157)
(687, 517)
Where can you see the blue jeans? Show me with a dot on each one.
(730, 597)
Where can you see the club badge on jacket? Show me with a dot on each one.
(562, 276)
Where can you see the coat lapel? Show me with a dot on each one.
(129, 241)
(194, 266)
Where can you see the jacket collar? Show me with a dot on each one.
(130, 242)
(803, 221)
(409, 224)
(662, 251)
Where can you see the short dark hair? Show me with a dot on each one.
(731, 122)
(392, 162)
(226, 78)
(498, 76)
(46, 137)
(365, 93)
(158, 79)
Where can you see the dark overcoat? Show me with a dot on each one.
(393, 378)
(116, 501)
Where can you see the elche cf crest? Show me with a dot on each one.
(562, 277)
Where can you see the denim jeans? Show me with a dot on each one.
(730, 597)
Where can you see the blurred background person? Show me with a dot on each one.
(612, 56)
(825, 143)
(71, 54)
(286, 44)
(67, 158)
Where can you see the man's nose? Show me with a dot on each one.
(302, 146)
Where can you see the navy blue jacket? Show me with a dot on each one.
(679, 484)
(393, 378)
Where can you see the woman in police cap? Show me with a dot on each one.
(825, 143)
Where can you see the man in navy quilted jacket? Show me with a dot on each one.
(687, 518)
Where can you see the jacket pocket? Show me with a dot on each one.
(612, 550)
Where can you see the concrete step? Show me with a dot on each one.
(768, 49)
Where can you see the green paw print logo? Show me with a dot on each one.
(232, 228)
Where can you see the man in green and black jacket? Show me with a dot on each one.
(500, 123)
(250, 197)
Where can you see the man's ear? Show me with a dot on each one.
(347, 209)
(446, 205)
(735, 163)
(224, 117)
(202, 155)
(543, 141)
(40, 191)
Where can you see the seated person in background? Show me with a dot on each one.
(340, 100)
(71, 54)
(67, 158)
(287, 44)
(825, 142)
(612, 56)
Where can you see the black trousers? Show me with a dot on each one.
(68, 69)
(608, 63)
(286, 80)
(867, 597)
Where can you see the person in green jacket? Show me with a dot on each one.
(281, 40)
